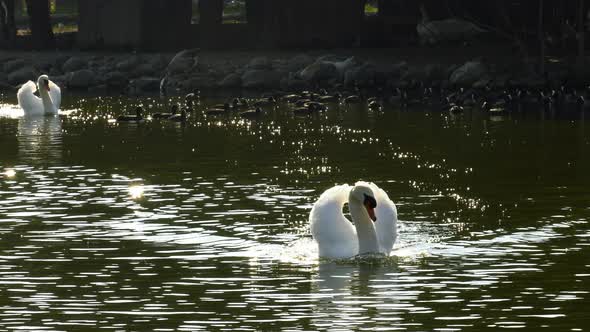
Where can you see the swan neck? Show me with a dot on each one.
(46, 99)
(365, 228)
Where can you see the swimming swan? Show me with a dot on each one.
(373, 214)
(48, 103)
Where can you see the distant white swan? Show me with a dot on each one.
(48, 103)
(373, 214)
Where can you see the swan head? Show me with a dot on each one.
(43, 83)
(364, 194)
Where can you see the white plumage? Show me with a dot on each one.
(337, 237)
(48, 102)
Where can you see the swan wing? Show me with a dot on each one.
(335, 235)
(30, 103)
(55, 93)
(386, 224)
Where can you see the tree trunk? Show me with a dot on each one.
(581, 33)
(41, 31)
(211, 12)
(541, 34)
(8, 26)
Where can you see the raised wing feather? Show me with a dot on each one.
(55, 93)
(30, 103)
(386, 224)
(335, 235)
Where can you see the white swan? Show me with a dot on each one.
(48, 103)
(374, 216)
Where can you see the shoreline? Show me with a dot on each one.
(265, 71)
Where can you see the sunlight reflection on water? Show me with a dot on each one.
(204, 226)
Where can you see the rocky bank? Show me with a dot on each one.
(189, 70)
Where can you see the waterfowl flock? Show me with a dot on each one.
(305, 103)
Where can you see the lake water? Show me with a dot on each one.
(204, 226)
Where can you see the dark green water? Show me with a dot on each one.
(203, 226)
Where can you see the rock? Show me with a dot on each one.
(231, 81)
(260, 79)
(147, 84)
(434, 32)
(54, 72)
(60, 60)
(158, 62)
(360, 76)
(341, 65)
(127, 64)
(260, 63)
(74, 63)
(292, 82)
(81, 79)
(429, 72)
(468, 74)
(145, 69)
(482, 83)
(530, 81)
(198, 82)
(10, 66)
(183, 62)
(557, 76)
(22, 75)
(4, 86)
(399, 68)
(99, 89)
(45, 63)
(298, 62)
(500, 81)
(319, 71)
(115, 80)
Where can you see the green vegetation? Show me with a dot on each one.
(371, 8)
(234, 12)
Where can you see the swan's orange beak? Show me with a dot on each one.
(371, 212)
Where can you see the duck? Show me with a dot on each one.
(173, 111)
(495, 108)
(374, 104)
(373, 229)
(238, 103)
(47, 104)
(397, 98)
(251, 114)
(316, 106)
(264, 102)
(335, 98)
(178, 117)
(292, 98)
(193, 96)
(304, 110)
(218, 109)
(455, 109)
(302, 102)
(130, 117)
(352, 99)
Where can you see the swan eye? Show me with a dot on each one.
(370, 201)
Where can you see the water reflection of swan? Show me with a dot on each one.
(342, 287)
(40, 139)
(373, 213)
(353, 277)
